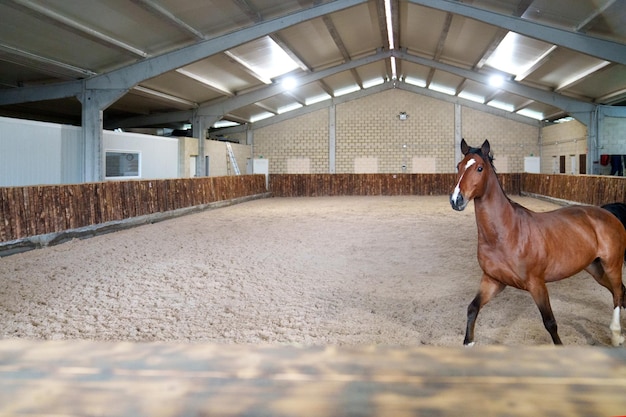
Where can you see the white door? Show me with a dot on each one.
(193, 160)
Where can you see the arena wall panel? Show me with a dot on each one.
(39, 210)
(47, 209)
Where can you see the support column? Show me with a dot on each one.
(332, 139)
(199, 130)
(458, 135)
(93, 104)
(250, 141)
(593, 142)
(200, 125)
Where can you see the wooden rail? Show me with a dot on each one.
(77, 378)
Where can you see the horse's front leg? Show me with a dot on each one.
(489, 288)
(539, 292)
(616, 330)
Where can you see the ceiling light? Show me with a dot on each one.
(496, 80)
(389, 20)
(289, 83)
(389, 24)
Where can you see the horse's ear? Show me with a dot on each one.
(485, 148)
(464, 147)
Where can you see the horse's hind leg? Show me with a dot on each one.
(539, 292)
(489, 288)
(611, 278)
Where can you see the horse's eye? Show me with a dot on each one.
(480, 169)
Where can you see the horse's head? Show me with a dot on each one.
(473, 173)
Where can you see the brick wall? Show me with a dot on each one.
(510, 141)
(371, 128)
(286, 144)
(370, 137)
(567, 139)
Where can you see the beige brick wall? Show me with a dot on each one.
(370, 128)
(510, 141)
(304, 137)
(563, 139)
(370, 137)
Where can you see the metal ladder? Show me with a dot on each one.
(233, 161)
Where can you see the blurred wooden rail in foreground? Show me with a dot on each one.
(72, 378)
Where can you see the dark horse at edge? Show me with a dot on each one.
(524, 249)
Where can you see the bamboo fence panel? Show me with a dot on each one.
(37, 210)
(315, 185)
(584, 189)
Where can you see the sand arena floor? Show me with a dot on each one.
(305, 271)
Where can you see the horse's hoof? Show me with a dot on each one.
(470, 344)
(617, 340)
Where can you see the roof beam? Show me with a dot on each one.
(440, 44)
(167, 16)
(51, 66)
(521, 8)
(223, 107)
(375, 90)
(59, 19)
(557, 100)
(133, 74)
(601, 48)
(586, 22)
(334, 34)
(255, 16)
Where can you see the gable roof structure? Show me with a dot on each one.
(163, 62)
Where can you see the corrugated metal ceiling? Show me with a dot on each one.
(45, 42)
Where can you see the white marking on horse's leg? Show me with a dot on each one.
(470, 344)
(457, 189)
(616, 330)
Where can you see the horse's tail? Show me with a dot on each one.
(619, 211)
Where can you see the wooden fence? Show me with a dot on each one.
(38, 210)
(585, 189)
(315, 185)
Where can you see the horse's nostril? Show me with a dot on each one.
(457, 202)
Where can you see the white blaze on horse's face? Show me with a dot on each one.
(457, 200)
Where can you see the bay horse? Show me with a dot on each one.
(524, 249)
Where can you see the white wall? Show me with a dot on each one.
(38, 153)
(33, 153)
(159, 155)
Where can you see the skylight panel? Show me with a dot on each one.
(415, 81)
(264, 57)
(317, 99)
(442, 89)
(501, 105)
(472, 97)
(261, 116)
(531, 113)
(224, 123)
(517, 53)
(373, 82)
(347, 90)
(289, 107)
